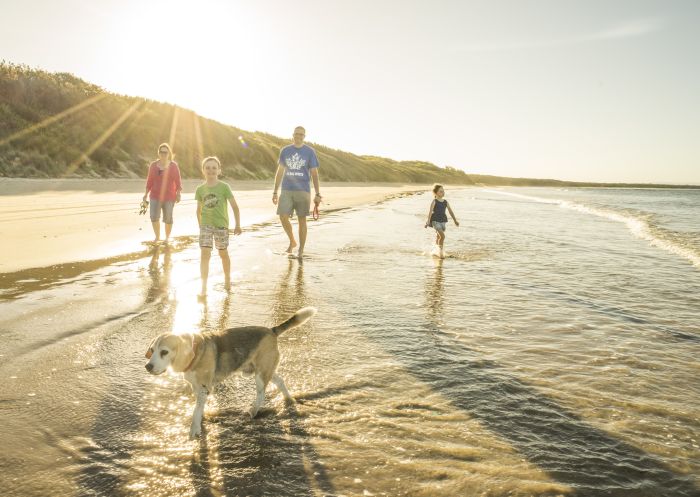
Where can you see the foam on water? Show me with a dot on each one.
(640, 225)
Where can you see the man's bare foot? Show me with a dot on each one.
(227, 284)
(300, 254)
(290, 249)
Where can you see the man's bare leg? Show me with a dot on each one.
(287, 225)
(302, 235)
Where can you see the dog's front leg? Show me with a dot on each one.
(201, 393)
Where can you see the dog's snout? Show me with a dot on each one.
(149, 367)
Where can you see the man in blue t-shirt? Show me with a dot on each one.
(297, 164)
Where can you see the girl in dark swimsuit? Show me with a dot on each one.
(437, 217)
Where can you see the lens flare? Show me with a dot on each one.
(243, 142)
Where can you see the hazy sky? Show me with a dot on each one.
(579, 90)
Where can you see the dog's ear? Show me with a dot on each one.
(184, 345)
(149, 350)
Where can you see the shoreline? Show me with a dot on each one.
(76, 223)
(30, 186)
(27, 186)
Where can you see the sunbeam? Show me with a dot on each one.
(173, 127)
(198, 136)
(52, 119)
(132, 124)
(101, 139)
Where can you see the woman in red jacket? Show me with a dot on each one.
(164, 185)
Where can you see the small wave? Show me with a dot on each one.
(461, 255)
(639, 225)
(469, 256)
(358, 248)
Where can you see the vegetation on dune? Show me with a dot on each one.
(55, 125)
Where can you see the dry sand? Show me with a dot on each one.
(48, 222)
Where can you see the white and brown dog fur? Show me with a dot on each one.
(207, 359)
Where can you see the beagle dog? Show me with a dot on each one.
(206, 359)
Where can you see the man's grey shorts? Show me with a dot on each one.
(294, 200)
(167, 208)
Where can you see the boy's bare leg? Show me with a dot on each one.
(168, 229)
(156, 230)
(287, 225)
(204, 268)
(226, 263)
(302, 235)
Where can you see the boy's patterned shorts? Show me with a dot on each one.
(209, 234)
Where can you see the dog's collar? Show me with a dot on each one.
(194, 356)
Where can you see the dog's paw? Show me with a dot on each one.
(195, 431)
(253, 412)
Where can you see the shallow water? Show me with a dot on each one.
(553, 352)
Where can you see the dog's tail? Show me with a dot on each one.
(300, 317)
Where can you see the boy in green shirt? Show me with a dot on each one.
(212, 215)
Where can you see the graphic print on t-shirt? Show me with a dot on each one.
(295, 161)
(210, 201)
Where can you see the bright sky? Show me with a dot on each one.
(578, 90)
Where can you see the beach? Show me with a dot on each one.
(49, 222)
(552, 352)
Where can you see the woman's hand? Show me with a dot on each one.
(237, 230)
(456, 223)
(274, 198)
(177, 197)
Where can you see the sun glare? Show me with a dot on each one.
(183, 53)
(190, 312)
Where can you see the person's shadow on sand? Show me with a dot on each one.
(568, 448)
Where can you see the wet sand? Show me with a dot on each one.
(49, 222)
(535, 360)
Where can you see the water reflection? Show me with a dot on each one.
(435, 295)
(290, 295)
(116, 421)
(159, 274)
(215, 317)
